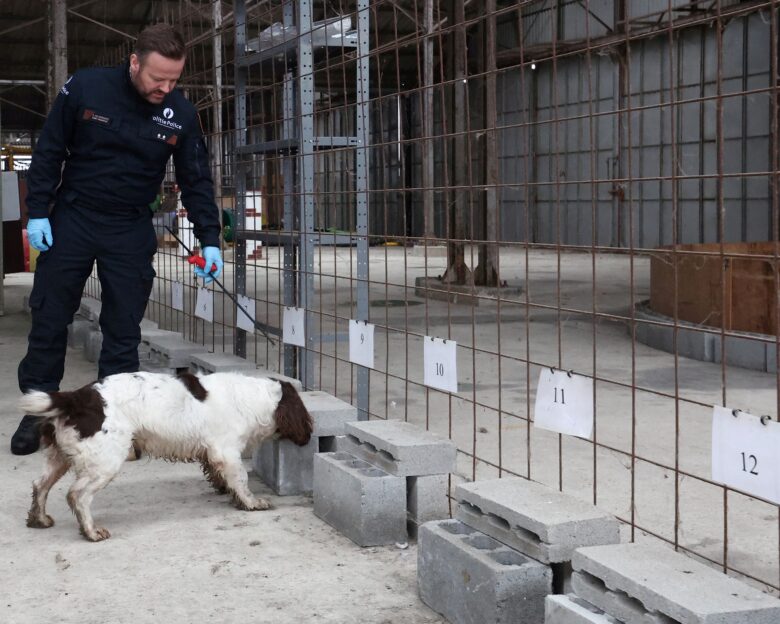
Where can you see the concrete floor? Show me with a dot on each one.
(178, 551)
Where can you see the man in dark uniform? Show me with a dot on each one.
(97, 166)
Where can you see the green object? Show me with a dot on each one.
(228, 225)
(155, 205)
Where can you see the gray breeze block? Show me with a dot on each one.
(533, 518)
(632, 581)
(220, 363)
(330, 414)
(470, 578)
(78, 332)
(359, 500)
(266, 374)
(426, 500)
(173, 352)
(560, 609)
(286, 467)
(90, 308)
(400, 448)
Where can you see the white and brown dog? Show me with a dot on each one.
(208, 419)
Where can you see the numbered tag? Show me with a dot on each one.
(177, 296)
(204, 305)
(293, 331)
(440, 364)
(564, 403)
(746, 453)
(361, 343)
(242, 320)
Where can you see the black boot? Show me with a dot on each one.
(27, 438)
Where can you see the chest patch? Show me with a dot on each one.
(90, 115)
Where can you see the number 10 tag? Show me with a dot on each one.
(440, 361)
(746, 453)
(564, 403)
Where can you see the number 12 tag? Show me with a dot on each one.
(746, 453)
(564, 403)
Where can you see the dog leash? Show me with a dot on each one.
(201, 262)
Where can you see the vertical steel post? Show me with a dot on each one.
(362, 130)
(239, 168)
(306, 188)
(57, 59)
(288, 173)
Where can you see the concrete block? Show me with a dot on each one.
(330, 414)
(533, 518)
(400, 448)
(93, 345)
(744, 352)
(471, 578)
(634, 581)
(286, 467)
(147, 366)
(90, 308)
(359, 500)
(267, 374)
(426, 500)
(220, 363)
(78, 332)
(561, 609)
(173, 353)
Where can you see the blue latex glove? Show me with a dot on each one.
(39, 234)
(212, 256)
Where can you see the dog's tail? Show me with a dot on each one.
(38, 403)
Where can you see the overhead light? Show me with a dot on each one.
(533, 65)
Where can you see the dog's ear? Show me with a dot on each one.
(293, 420)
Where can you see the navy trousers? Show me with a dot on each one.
(123, 244)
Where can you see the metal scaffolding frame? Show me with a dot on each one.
(297, 145)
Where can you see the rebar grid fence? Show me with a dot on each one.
(584, 185)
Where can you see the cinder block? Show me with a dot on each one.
(90, 309)
(220, 363)
(287, 467)
(267, 374)
(537, 520)
(469, 577)
(152, 333)
(78, 332)
(400, 448)
(634, 581)
(426, 500)
(560, 609)
(174, 353)
(330, 414)
(147, 366)
(361, 501)
(93, 345)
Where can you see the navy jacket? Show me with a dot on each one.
(115, 145)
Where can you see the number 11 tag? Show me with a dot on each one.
(564, 403)
(746, 453)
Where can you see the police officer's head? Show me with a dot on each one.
(157, 62)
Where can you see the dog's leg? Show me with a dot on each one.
(230, 467)
(56, 466)
(213, 476)
(80, 498)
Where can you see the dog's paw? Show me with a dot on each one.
(98, 534)
(40, 522)
(258, 504)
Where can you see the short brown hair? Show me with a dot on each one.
(161, 38)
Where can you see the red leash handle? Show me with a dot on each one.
(200, 261)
